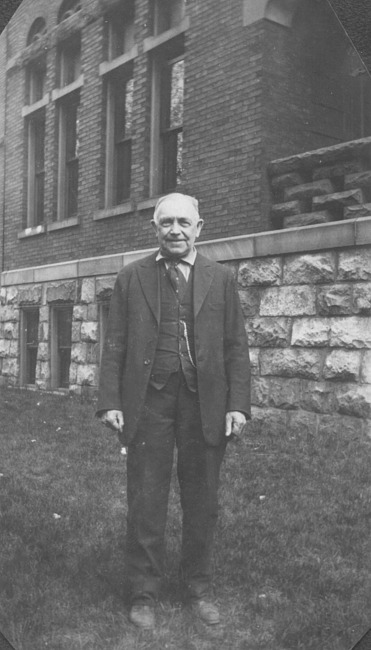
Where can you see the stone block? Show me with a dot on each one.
(14, 348)
(311, 332)
(104, 287)
(250, 301)
(43, 352)
(73, 372)
(89, 331)
(288, 301)
(362, 298)
(336, 425)
(270, 421)
(10, 367)
(341, 199)
(11, 294)
(43, 331)
(318, 397)
(76, 332)
(93, 353)
(30, 295)
(357, 210)
(286, 180)
(233, 267)
(11, 330)
(88, 290)
(43, 372)
(366, 367)
(61, 292)
(359, 179)
(355, 265)
(268, 332)
(287, 209)
(342, 365)
(310, 268)
(307, 219)
(290, 362)
(337, 170)
(336, 299)
(354, 400)
(254, 360)
(44, 314)
(92, 312)
(261, 272)
(4, 348)
(2, 296)
(9, 313)
(352, 332)
(80, 312)
(79, 353)
(271, 392)
(87, 375)
(309, 190)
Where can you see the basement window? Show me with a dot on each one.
(61, 344)
(29, 344)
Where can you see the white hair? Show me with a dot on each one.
(174, 196)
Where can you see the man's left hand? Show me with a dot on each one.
(234, 423)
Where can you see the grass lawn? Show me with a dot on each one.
(293, 552)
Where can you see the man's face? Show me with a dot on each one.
(177, 227)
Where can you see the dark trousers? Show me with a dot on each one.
(171, 417)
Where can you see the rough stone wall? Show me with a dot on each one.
(308, 319)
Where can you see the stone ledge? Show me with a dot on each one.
(108, 66)
(115, 211)
(152, 42)
(337, 234)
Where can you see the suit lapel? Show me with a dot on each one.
(148, 278)
(203, 277)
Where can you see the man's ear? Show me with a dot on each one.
(199, 226)
(154, 225)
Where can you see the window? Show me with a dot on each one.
(120, 91)
(38, 29)
(69, 147)
(69, 61)
(35, 81)
(120, 32)
(61, 323)
(67, 9)
(167, 125)
(29, 344)
(167, 14)
(36, 169)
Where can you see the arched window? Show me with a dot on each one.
(38, 29)
(68, 8)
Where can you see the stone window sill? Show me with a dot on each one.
(108, 66)
(31, 232)
(152, 42)
(32, 108)
(66, 223)
(115, 211)
(58, 93)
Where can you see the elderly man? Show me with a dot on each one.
(174, 373)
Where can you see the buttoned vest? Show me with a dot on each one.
(175, 346)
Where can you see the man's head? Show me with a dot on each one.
(177, 224)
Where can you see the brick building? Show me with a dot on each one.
(260, 108)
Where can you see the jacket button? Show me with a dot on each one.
(147, 362)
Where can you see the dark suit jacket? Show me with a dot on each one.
(220, 345)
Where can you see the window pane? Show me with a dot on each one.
(124, 109)
(123, 171)
(70, 63)
(31, 320)
(176, 94)
(121, 35)
(64, 332)
(32, 326)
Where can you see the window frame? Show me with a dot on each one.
(35, 123)
(25, 346)
(65, 163)
(35, 73)
(115, 82)
(69, 61)
(55, 357)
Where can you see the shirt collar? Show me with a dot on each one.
(190, 258)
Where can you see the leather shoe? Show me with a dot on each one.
(206, 611)
(142, 616)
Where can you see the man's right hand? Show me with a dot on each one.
(113, 419)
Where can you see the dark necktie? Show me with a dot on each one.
(176, 277)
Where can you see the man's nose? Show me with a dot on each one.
(175, 228)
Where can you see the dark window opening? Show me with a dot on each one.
(31, 342)
(171, 123)
(62, 340)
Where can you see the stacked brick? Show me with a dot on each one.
(308, 319)
(324, 185)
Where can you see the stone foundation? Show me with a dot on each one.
(308, 320)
